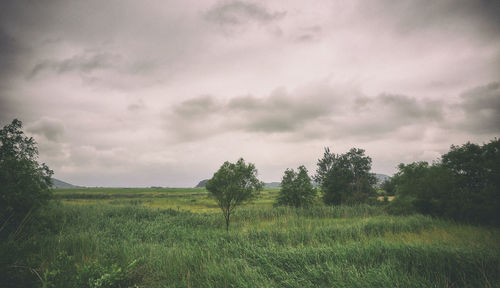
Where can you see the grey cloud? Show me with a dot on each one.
(309, 34)
(136, 106)
(481, 107)
(51, 128)
(373, 117)
(472, 17)
(194, 118)
(8, 47)
(317, 110)
(240, 12)
(410, 108)
(198, 107)
(12, 53)
(280, 112)
(85, 63)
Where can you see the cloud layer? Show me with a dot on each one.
(121, 93)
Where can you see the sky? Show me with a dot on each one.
(161, 93)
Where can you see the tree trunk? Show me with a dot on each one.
(227, 223)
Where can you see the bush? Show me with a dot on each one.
(296, 189)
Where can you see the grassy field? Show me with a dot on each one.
(186, 199)
(176, 238)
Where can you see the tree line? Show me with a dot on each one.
(343, 179)
(464, 184)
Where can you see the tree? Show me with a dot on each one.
(345, 178)
(427, 189)
(232, 185)
(25, 185)
(296, 188)
(476, 171)
(464, 185)
(389, 187)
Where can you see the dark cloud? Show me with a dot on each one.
(83, 63)
(312, 112)
(481, 108)
(309, 34)
(375, 117)
(197, 108)
(478, 18)
(195, 118)
(136, 106)
(8, 48)
(240, 12)
(411, 108)
(278, 113)
(52, 129)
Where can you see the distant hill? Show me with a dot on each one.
(272, 185)
(201, 184)
(56, 183)
(381, 178)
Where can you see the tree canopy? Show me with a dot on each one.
(464, 185)
(296, 188)
(345, 178)
(233, 184)
(25, 185)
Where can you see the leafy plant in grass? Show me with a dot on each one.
(296, 188)
(25, 185)
(233, 184)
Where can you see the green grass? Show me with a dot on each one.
(115, 242)
(191, 199)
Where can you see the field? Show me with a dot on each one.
(176, 238)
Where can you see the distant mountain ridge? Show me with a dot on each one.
(381, 178)
(201, 184)
(56, 183)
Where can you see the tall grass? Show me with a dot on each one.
(115, 246)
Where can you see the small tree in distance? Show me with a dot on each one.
(296, 188)
(233, 184)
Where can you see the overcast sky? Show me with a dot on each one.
(161, 93)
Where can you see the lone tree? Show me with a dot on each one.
(232, 185)
(345, 178)
(296, 188)
(25, 185)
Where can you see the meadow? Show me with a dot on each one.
(166, 237)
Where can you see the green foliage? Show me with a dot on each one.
(476, 171)
(232, 185)
(25, 185)
(464, 186)
(428, 189)
(389, 186)
(328, 246)
(345, 178)
(296, 188)
(64, 272)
